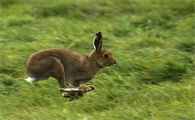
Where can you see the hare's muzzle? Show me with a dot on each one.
(113, 62)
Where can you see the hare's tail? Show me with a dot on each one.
(31, 79)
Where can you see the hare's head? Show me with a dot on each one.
(102, 57)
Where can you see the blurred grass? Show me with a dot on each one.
(153, 42)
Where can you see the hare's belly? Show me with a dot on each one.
(77, 80)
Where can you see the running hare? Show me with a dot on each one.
(70, 68)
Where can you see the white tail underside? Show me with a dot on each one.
(30, 79)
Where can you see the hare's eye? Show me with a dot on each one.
(105, 55)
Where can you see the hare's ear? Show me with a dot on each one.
(98, 41)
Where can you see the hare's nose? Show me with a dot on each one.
(115, 63)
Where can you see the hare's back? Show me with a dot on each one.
(49, 58)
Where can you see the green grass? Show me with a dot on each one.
(152, 40)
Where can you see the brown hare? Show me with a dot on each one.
(70, 68)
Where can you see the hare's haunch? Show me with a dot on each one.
(70, 68)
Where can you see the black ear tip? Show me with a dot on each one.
(99, 33)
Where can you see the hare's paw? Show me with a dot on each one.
(86, 88)
(91, 87)
(67, 95)
(72, 95)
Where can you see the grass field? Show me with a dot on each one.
(152, 40)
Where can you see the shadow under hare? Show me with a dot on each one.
(70, 68)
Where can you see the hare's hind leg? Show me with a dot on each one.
(81, 89)
(77, 92)
(59, 74)
(75, 87)
(85, 89)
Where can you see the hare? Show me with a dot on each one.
(70, 68)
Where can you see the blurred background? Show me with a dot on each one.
(152, 40)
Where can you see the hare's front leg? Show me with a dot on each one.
(72, 95)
